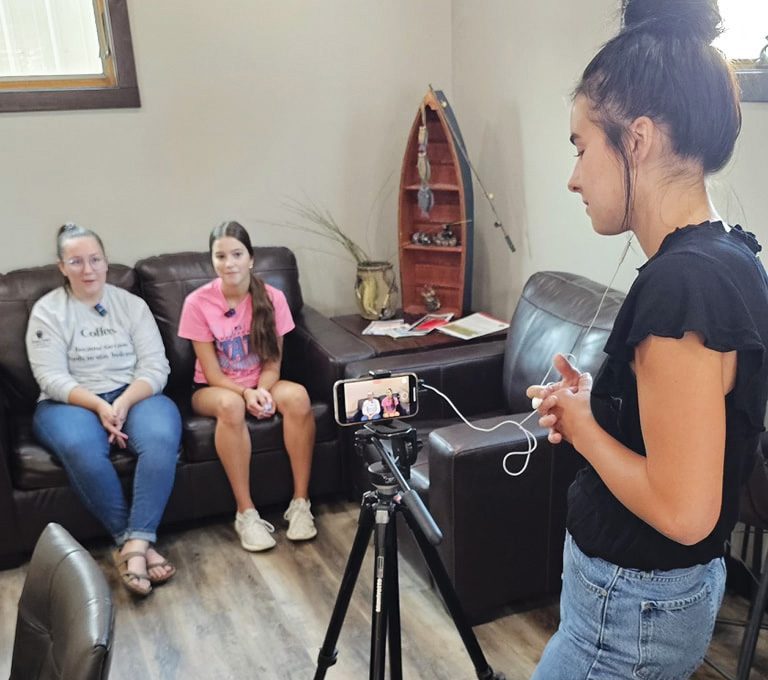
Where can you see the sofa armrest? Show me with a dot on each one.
(470, 375)
(503, 534)
(317, 352)
(9, 531)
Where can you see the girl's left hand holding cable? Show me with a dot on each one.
(565, 404)
(567, 412)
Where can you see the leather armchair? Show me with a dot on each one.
(66, 617)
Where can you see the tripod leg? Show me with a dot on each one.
(379, 610)
(328, 653)
(392, 587)
(447, 592)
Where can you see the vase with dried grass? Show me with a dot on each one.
(375, 284)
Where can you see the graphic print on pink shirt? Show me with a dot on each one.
(233, 352)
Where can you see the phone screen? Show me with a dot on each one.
(363, 400)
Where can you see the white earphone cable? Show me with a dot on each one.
(529, 436)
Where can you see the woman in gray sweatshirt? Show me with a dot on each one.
(97, 355)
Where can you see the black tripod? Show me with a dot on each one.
(378, 516)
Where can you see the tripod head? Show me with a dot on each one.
(400, 439)
(393, 447)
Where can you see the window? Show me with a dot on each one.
(745, 41)
(65, 54)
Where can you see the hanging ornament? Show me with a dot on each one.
(425, 198)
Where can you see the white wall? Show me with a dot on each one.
(245, 103)
(515, 63)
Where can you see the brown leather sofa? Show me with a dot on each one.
(503, 535)
(33, 487)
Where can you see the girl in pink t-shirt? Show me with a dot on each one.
(236, 324)
(389, 405)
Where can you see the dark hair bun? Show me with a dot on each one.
(698, 19)
(67, 227)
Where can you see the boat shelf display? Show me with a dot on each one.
(435, 214)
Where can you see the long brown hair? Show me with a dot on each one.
(263, 336)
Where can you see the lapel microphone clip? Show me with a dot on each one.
(229, 313)
(100, 309)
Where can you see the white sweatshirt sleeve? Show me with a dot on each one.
(47, 349)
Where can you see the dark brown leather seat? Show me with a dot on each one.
(34, 489)
(66, 617)
(503, 535)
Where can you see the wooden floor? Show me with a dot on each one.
(233, 614)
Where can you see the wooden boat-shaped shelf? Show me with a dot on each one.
(445, 269)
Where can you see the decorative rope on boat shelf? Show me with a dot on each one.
(425, 198)
(460, 146)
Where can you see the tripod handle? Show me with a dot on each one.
(426, 523)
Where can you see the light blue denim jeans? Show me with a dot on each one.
(624, 623)
(76, 437)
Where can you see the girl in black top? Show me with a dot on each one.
(670, 427)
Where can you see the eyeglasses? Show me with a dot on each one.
(96, 262)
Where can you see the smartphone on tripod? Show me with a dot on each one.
(375, 398)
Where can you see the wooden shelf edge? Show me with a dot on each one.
(436, 249)
(416, 310)
(439, 285)
(434, 187)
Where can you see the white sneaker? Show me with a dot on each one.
(253, 531)
(301, 526)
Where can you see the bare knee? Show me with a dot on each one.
(230, 409)
(293, 400)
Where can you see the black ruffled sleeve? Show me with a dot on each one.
(749, 239)
(684, 292)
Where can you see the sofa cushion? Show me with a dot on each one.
(552, 315)
(19, 290)
(32, 467)
(266, 435)
(166, 280)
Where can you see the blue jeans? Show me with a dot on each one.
(625, 623)
(77, 438)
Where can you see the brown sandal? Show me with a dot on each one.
(130, 579)
(156, 581)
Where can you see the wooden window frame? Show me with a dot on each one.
(753, 80)
(117, 88)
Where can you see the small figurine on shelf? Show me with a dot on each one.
(431, 301)
(421, 238)
(446, 237)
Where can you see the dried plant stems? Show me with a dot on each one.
(323, 224)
